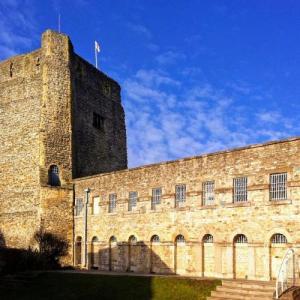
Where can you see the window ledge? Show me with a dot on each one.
(280, 202)
(238, 204)
(132, 212)
(210, 206)
(113, 213)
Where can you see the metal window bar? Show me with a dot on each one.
(155, 239)
(78, 206)
(112, 202)
(208, 238)
(278, 186)
(132, 200)
(180, 239)
(240, 193)
(208, 189)
(180, 193)
(156, 197)
(279, 238)
(241, 239)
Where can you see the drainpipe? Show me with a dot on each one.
(87, 194)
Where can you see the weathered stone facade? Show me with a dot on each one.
(258, 218)
(47, 101)
(57, 112)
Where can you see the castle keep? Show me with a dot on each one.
(63, 162)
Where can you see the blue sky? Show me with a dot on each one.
(196, 76)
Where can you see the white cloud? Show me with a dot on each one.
(166, 121)
(169, 57)
(140, 29)
(16, 26)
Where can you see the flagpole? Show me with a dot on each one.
(96, 58)
(59, 23)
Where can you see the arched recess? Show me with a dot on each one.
(240, 256)
(180, 255)
(208, 255)
(113, 253)
(94, 253)
(132, 253)
(53, 176)
(154, 254)
(78, 252)
(278, 247)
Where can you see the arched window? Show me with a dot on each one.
(208, 238)
(240, 239)
(155, 239)
(278, 238)
(132, 240)
(180, 239)
(113, 240)
(95, 239)
(54, 176)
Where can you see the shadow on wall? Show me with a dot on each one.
(135, 256)
(49, 249)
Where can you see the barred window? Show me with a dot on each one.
(78, 206)
(208, 238)
(98, 121)
(132, 240)
(278, 186)
(112, 240)
(156, 197)
(53, 175)
(155, 239)
(278, 238)
(96, 209)
(132, 200)
(240, 189)
(208, 191)
(180, 239)
(240, 239)
(180, 193)
(112, 202)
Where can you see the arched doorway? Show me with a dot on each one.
(113, 246)
(208, 256)
(240, 256)
(179, 255)
(132, 253)
(154, 256)
(78, 245)
(94, 253)
(278, 247)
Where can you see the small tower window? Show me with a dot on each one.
(54, 176)
(98, 121)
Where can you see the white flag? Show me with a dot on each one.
(97, 46)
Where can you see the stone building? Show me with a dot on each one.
(63, 162)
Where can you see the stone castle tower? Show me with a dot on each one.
(60, 119)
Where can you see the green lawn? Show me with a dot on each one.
(67, 286)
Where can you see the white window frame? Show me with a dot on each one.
(278, 186)
(132, 200)
(156, 197)
(78, 206)
(96, 208)
(112, 202)
(208, 192)
(240, 189)
(180, 194)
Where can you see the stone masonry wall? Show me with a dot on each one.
(96, 150)
(20, 94)
(258, 218)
